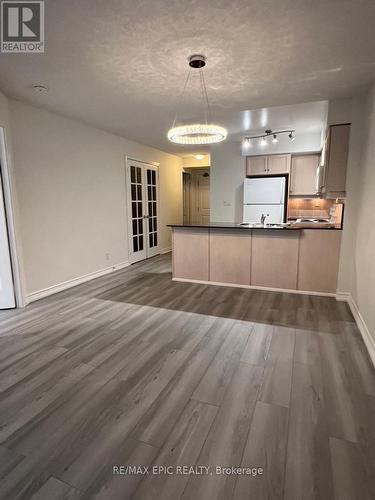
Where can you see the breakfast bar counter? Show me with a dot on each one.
(285, 258)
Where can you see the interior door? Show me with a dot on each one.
(152, 210)
(204, 198)
(143, 210)
(7, 299)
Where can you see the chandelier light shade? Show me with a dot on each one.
(197, 133)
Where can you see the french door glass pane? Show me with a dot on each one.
(152, 207)
(136, 204)
(134, 210)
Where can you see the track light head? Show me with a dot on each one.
(275, 139)
(246, 143)
(291, 136)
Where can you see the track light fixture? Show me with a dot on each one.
(247, 141)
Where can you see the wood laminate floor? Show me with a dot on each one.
(132, 369)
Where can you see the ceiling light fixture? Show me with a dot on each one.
(246, 144)
(268, 133)
(40, 88)
(197, 133)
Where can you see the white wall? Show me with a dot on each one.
(191, 162)
(226, 182)
(70, 182)
(357, 265)
(354, 112)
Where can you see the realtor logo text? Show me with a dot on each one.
(22, 27)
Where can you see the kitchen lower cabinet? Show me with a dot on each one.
(274, 260)
(230, 256)
(304, 175)
(190, 253)
(304, 260)
(319, 254)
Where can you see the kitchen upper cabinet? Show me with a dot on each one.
(268, 164)
(256, 165)
(304, 175)
(336, 161)
(278, 164)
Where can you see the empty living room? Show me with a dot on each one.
(187, 250)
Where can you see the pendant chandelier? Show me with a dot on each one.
(197, 133)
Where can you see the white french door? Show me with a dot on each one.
(142, 182)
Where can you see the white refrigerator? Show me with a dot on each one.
(264, 196)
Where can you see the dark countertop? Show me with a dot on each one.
(231, 225)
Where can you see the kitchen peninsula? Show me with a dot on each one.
(290, 258)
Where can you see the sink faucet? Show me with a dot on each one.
(263, 218)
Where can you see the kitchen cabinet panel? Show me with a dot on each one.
(278, 164)
(190, 253)
(256, 165)
(337, 159)
(268, 164)
(319, 260)
(274, 259)
(304, 175)
(230, 256)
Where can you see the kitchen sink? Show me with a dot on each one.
(246, 224)
(267, 226)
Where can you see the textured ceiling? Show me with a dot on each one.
(120, 64)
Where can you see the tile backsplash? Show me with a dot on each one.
(315, 208)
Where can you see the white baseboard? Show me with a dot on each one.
(59, 287)
(362, 327)
(165, 250)
(253, 287)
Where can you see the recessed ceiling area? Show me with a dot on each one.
(120, 66)
(308, 120)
